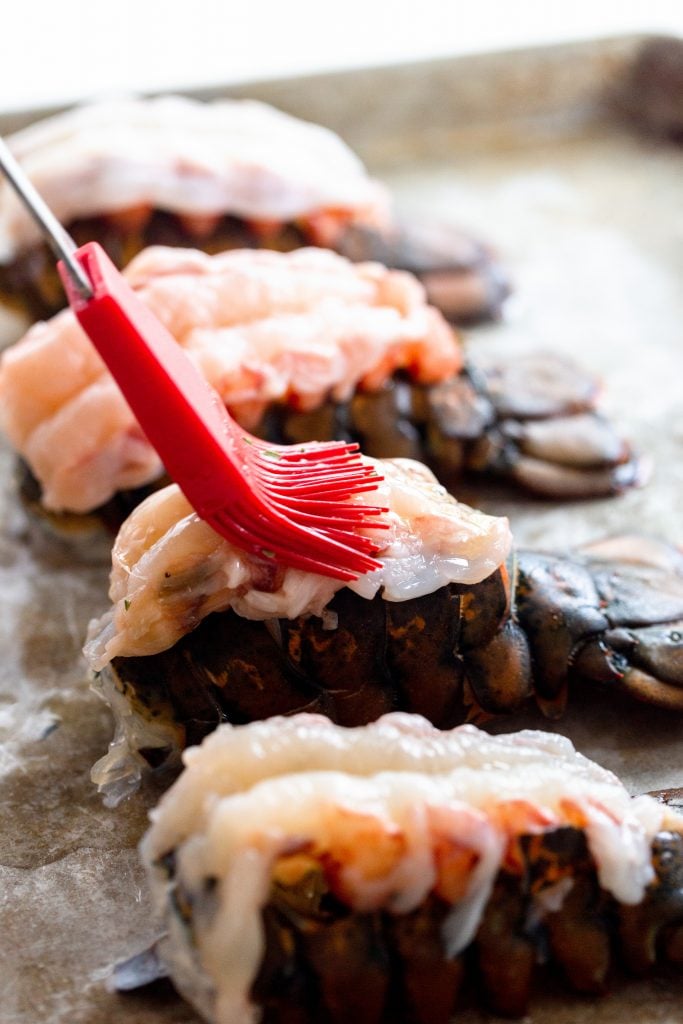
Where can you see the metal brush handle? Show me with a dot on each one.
(59, 240)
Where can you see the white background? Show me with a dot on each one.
(54, 51)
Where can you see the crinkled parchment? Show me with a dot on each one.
(591, 229)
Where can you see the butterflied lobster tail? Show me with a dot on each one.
(536, 627)
(184, 173)
(307, 346)
(402, 870)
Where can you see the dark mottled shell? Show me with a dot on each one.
(325, 963)
(363, 659)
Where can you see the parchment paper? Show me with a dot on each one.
(590, 224)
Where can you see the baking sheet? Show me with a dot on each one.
(521, 149)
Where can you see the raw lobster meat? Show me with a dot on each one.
(457, 627)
